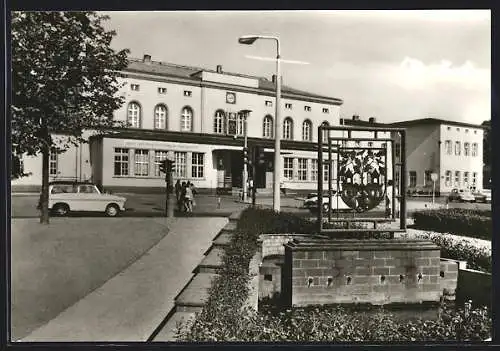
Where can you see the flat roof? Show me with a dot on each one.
(421, 121)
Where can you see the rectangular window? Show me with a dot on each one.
(413, 179)
(325, 172)
(474, 149)
(197, 164)
(288, 168)
(314, 170)
(457, 178)
(141, 162)
(325, 110)
(457, 148)
(427, 177)
(180, 164)
(159, 157)
(370, 144)
(448, 178)
(188, 93)
(466, 179)
(53, 164)
(302, 168)
(447, 147)
(467, 131)
(269, 103)
(162, 90)
(121, 162)
(307, 108)
(397, 150)
(288, 106)
(474, 178)
(396, 179)
(466, 149)
(134, 87)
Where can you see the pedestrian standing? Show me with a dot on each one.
(178, 189)
(194, 192)
(182, 199)
(189, 198)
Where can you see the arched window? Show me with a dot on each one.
(288, 129)
(268, 127)
(134, 115)
(187, 119)
(219, 122)
(307, 130)
(160, 117)
(325, 132)
(240, 124)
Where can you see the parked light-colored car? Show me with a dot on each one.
(483, 195)
(75, 196)
(461, 195)
(311, 202)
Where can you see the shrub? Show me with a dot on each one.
(473, 223)
(477, 258)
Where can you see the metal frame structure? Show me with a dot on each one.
(337, 144)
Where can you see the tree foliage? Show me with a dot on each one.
(64, 78)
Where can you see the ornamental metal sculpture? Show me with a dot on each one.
(367, 179)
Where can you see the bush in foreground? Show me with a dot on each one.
(473, 223)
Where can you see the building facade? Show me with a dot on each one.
(199, 115)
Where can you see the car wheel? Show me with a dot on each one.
(61, 209)
(112, 210)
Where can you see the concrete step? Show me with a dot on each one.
(195, 294)
(182, 319)
(212, 261)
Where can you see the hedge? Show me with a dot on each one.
(224, 317)
(472, 223)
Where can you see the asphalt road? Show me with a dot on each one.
(53, 266)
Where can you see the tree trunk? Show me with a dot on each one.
(44, 197)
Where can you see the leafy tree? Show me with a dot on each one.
(64, 81)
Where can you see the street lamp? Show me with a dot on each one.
(245, 114)
(249, 40)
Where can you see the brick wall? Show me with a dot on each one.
(448, 276)
(272, 244)
(363, 271)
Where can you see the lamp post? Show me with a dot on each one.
(249, 40)
(245, 114)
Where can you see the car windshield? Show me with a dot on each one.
(88, 189)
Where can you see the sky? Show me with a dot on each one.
(392, 65)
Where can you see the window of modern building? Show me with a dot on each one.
(180, 164)
(134, 87)
(413, 179)
(160, 117)
(240, 124)
(267, 128)
(447, 147)
(219, 122)
(307, 130)
(134, 115)
(325, 110)
(466, 149)
(197, 165)
(288, 106)
(474, 149)
(326, 133)
(474, 179)
(427, 177)
(457, 148)
(186, 119)
(466, 179)
(288, 129)
(447, 179)
(307, 108)
(457, 178)
(53, 164)
(160, 156)
(162, 90)
(288, 168)
(326, 172)
(121, 162)
(302, 162)
(314, 170)
(188, 93)
(269, 103)
(467, 131)
(141, 162)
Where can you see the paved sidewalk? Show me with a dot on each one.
(132, 304)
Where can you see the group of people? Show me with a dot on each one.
(184, 193)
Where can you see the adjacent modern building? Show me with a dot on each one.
(199, 115)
